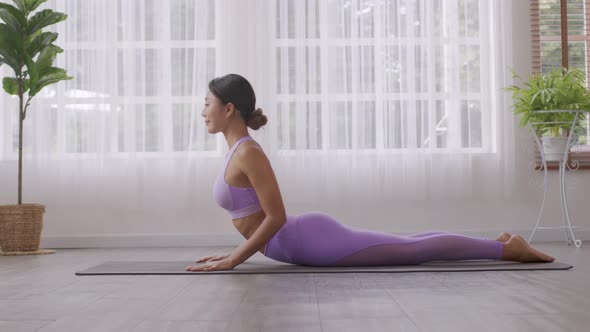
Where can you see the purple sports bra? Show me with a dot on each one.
(240, 202)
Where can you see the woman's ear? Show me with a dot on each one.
(230, 109)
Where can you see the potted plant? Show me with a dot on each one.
(559, 89)
(30, 52)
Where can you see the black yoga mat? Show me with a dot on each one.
(263, 267)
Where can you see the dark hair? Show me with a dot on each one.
(235, 89)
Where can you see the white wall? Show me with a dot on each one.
(204, 223)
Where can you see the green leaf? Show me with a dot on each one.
(13, 17)
(33, 4)
(10, 46)
(46, 57)
(53, 75)
(10, 85)
(28, 6)
(33, 74)
(44, 18)
(10, 39)
(21, 5)
(11, 61)
(37, 42)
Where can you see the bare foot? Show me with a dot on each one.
(517, 249)
(503, 237)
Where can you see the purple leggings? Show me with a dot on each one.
(317, 239)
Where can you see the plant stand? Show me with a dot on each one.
(567, 227)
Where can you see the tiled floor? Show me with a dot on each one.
(42, 293)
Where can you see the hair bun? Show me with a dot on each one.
(257, 119)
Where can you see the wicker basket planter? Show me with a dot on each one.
(20, 228)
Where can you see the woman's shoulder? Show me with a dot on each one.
(250, 150)
(248, 146)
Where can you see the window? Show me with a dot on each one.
(383, 75)
(140, 69)
(350, 75)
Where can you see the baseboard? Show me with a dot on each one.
(140, 240)
(214, 240)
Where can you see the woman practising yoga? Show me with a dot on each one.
(246, 186)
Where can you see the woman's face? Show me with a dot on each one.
(214, 113)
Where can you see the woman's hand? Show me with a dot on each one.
(221, 262)
(212, 258)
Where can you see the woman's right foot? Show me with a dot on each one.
(517, 249)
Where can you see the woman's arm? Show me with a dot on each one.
(254, 163)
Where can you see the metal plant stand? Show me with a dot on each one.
(567, 227)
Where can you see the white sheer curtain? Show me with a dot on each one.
(121, 137)
(367, 100)
(394, 99)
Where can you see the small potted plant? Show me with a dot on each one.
(30, 53)
(559, 89)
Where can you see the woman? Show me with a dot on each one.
(248, 189)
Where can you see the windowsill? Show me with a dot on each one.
(578, 153)
(581, 154)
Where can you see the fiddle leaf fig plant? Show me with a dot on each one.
(30, 52)
(559, 89)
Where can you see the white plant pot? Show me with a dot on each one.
(554, 148)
